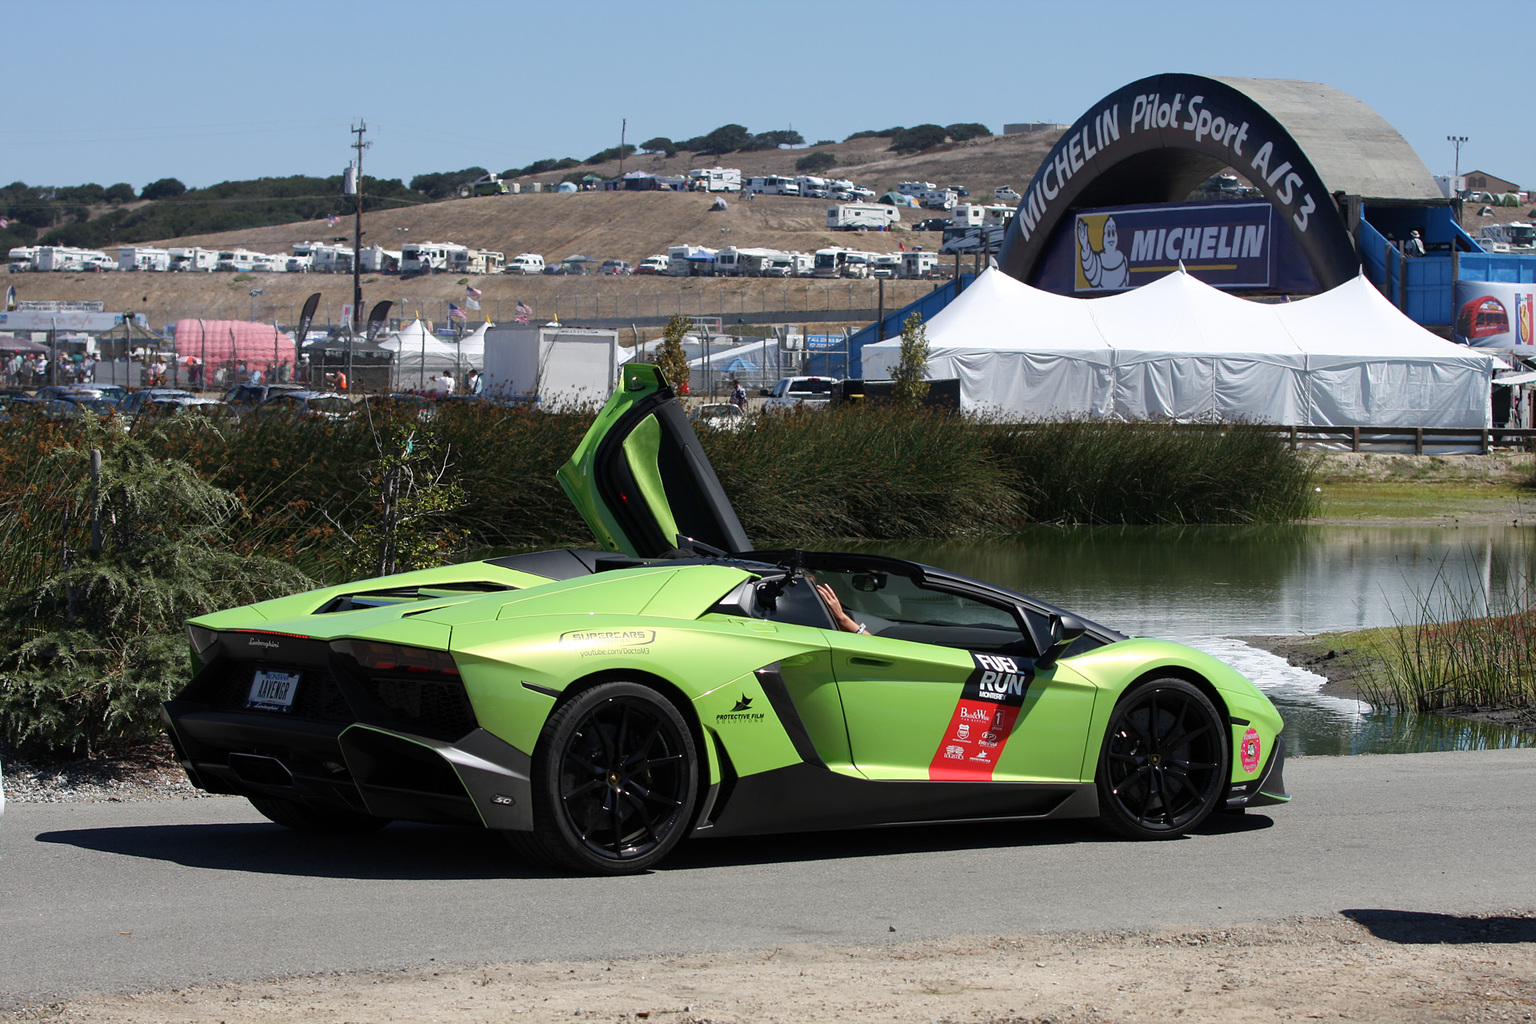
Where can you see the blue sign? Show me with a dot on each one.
(823, 342)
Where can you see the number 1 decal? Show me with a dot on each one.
(983, 720)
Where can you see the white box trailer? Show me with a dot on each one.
(870, 216)
(428, 257)
(919, 264)
(477, 261)
(681, 259)
(378, 260)
(143, 257)
(558, 368)
(772, 185)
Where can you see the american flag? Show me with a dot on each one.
(524, 313)
(332, 221)
(471, 293)
(454, 312)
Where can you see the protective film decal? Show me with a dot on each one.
(979, 729)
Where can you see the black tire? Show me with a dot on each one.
(615, 781)
(1164, 764)
(304, 818)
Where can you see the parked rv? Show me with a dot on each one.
(193, 258)
(851, 216)
(525, 263)
(475, 261)
(772, 185)
(654, 264)
(886, 265)
(937, 199)
(1005, 192)
(715, 179)
(690, 261)
(812, 187)
(142, 257)
(22, 258)
(428, 257)
(919, 264)
(915, 188)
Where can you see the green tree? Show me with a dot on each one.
(966, 131)
(670, 356)
(918, 137)
(91, 634)
(660, 144)
(413, 499)
(910, 378)
(122, 192)
(165, 188)
(815, 163)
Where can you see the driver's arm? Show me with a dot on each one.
(843, 619)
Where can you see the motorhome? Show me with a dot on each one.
(985, 239)
(749, 262)
(22, 258)
(886, 265)
(328, 259)
(243, 260)
(142, 257)
(967, 215)
(300, 263)
(859, 264)
(919, 264)
(476, 261)
(1516, 236)
(428, 257)
(853, 216)
(194, 257)
(915, 188)
(772, 185)
(525, 263)
(715, 179)
(654, 264)
(812, 187)
(838, 261)
(999, 215)
(938, 199)
(64, 257)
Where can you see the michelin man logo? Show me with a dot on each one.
(1105, 268)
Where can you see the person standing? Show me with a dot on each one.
(475, 383)
(739, 396)
(446, 382)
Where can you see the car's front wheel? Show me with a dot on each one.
(615, 780)
(1164, 764)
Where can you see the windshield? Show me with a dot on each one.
(1522, 234)
(332, 404)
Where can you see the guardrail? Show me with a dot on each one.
(1417, 438)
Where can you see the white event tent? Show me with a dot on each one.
(420, 355)
(1180, 349)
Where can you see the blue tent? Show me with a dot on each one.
(741, 364)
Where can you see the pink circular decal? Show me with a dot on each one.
(1249, 751)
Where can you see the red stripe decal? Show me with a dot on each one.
(983, 720)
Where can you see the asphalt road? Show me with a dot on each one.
(113, 897)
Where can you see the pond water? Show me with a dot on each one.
(1204, 586)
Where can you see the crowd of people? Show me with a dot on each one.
(31, 372)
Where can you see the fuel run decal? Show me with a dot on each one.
(983, 721)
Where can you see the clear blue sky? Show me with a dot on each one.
(211, 91)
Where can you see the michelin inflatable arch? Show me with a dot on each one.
(1155, 140)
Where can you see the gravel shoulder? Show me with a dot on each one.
(1372, 966)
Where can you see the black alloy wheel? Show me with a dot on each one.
(615, 780)
(1164, 764)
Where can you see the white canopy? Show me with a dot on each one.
(1181, 349)
(419, 355)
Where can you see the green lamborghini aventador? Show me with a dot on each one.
(599, 706)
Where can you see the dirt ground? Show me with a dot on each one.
(1360, 967)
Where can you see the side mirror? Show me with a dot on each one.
(765, 392)
(1065, 629)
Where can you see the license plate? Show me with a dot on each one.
(272, 690)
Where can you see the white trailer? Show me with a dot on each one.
(143, 257)
(870, 216)
(915, 188)
(812, 186)
(715, 179)
(968, 215)
(193, 257)
(681, 259)
(919, 264)
(243, 260)
(476, 261)
(558, 368)
(886, 265)
(428, 257)
(378, 260)
(22, 258)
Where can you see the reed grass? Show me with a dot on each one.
(1470, 646)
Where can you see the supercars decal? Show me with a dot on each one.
(1249, 751)
(983, 720)
(610, 641)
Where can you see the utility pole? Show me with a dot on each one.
(357, 243)
(623, 128)
(1456, 140)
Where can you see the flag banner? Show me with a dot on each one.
(378, 318)
(471, 304)
(454, 312)
(524, 313)
(471, 293)
(332, 221)
(306, 317)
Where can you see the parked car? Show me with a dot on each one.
(1005, 192)
(248, 396)
(485, 185)
(616, 267)
(525, 263)
(931, 224)
(110, 392)
(307, 405)
(792, 393)
(718, 416)
(135, 401)
(600, 706)
(186, 408)
(959, 190)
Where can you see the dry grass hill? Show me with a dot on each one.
(602, 225)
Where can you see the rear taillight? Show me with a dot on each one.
(382, 657)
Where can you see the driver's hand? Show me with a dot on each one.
(844, 622)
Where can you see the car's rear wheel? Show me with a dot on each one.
(615, 780)
(1164, 763)
(303, 818)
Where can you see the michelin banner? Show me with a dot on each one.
(1224, 244)
(1494, 315)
